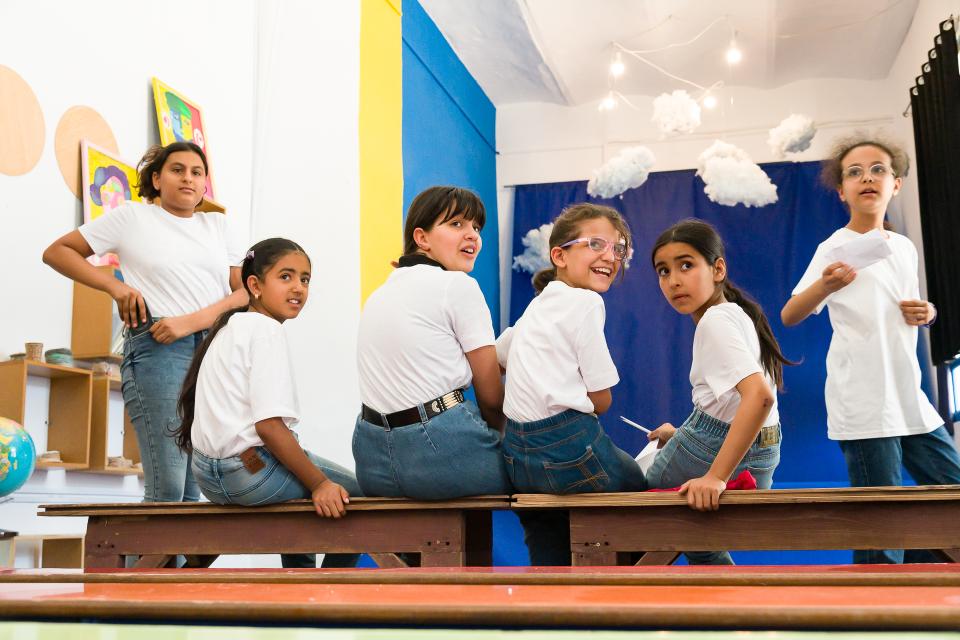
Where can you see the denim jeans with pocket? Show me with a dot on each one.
(452, 455)
(227, 481)
(931, 458)
(152, 375)
(690, 453)
(566, 453)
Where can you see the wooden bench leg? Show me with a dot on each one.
(948, 555)
(594, 558)
(200, 561)
(388, 560)
(154, 561)
(98, 550)
(657, 558)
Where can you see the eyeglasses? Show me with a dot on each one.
(877, 172)
(600, 245)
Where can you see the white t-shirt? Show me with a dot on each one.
(726, 350)
(414, 332)
(246, 376)
(555, 354)
(180, 265)
(873, 376)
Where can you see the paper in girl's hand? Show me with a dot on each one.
(861, 252)
(645, 457)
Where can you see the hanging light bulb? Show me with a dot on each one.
(734, 55)
(709, 101)
(608, 103)
(617, 67)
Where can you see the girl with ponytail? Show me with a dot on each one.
(238, 405)
(559, 376)
(737, 369)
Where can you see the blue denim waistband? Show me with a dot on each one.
(714, 426)
(561, 418)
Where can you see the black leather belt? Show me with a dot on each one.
(431, 409)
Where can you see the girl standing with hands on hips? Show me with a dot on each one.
(736, 370)
(239, 401)
(559, 375)
(180, 262)
(425, 335)
(876, 409)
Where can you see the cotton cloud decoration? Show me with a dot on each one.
(732, 178)
(793, 135)
(536, 255)
(676, 112)
(626, 170)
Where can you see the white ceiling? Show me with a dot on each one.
(559, 50)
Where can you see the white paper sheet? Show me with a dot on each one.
(861, 252)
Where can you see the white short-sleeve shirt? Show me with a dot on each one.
(180, 265)
(555, 354)
(414, 333)
(873, 376)
(246, 376)
(726, 350)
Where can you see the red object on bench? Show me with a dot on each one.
(744, 482)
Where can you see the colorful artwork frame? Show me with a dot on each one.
(180, 119)
(106, 180)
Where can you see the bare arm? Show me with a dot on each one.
(835, 276)
(67, 255)
(488, 385)
(171, 329)
(328, 496)
(601, 400)
(756, 401)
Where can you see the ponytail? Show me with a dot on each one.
(542, 278)
(771, 357)
(188, 393)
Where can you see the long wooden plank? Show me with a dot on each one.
(930, 575)
(531, 606)
(207, 508)
(776, 496)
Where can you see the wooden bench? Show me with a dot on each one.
(447, 533)
(613, 528)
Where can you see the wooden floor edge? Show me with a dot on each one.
(376, 577)
(538, 616)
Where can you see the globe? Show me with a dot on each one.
(17, 456)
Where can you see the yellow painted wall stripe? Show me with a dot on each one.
(381, 142)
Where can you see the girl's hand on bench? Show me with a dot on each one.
(329, 499)
(703, 494)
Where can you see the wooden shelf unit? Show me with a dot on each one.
(100, 431)
(71, 392)
(92, 334)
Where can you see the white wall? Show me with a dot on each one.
(278, 81)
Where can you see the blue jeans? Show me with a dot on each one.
(227, 481)
(931, 458)
(566, 453)
(152, 375)
(452, 455)
(689, 454)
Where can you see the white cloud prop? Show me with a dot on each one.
(626, 170)
(676, 112)
(793, 135)
(732, 177)
(536, 255)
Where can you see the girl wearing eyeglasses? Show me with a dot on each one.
(875, 407)
(559, 375)
(737, 367)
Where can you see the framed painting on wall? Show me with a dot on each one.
(180, 119)
(107, 182)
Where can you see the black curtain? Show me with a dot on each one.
(935, 104)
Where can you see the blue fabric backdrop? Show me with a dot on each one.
(767, 251)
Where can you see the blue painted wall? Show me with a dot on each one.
(449, 128)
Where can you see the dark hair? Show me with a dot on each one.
(567, 227)
(427, 208)
(707, 242)
(153, 160)
(831, 169)
(259, 259)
